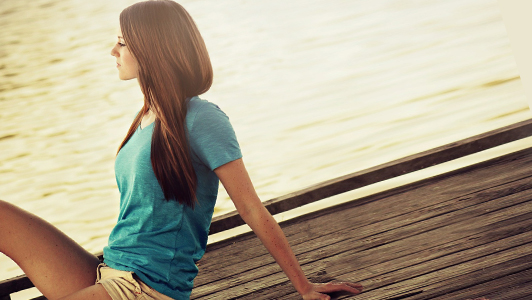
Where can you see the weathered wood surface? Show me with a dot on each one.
(464, 234)
(385, 171)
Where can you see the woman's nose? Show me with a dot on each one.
(113, 51)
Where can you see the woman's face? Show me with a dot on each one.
(125, 62)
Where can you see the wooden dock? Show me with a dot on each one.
(461, 235)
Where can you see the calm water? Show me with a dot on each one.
(314, 89)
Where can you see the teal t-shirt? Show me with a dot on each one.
(160, 240)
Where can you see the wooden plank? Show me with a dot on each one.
(440, 280)
(341, 217)
(387, 238)
(432, 276)
(514, 286)
(361, 266)
(357, 239)
(413, 265)
(414, 258)
(373, 262)
(384, 171)
(460, 188)
(495, 247)
(232, 264)
(396, 255)
(494, 193)
(493, 267)
(248, 279)
(509, 168)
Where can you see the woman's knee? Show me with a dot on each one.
(3, 205)
(8, 224)
(11, 219)
(7, 208)
(6, 215)
(10, 214)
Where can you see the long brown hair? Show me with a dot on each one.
(173, 64)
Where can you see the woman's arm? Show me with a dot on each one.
(238, 185)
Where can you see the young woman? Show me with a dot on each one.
(167, 168)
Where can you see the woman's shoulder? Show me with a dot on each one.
(201, 111)
(210, 133)
(196, 105)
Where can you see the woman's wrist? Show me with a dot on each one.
(304, 287)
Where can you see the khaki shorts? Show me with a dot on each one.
(124, 285)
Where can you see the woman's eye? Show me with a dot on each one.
(121, 44)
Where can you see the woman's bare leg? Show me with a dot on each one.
(56, 264)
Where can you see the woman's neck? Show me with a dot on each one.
(147, 119)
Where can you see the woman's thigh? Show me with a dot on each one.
(56, 264)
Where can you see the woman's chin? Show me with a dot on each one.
(125, 77)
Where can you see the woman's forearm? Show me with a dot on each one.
(273, 238)
(238, 185)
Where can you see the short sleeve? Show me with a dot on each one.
(211, 136)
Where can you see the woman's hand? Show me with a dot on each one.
(319, 290)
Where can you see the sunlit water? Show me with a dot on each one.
(314, 90)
